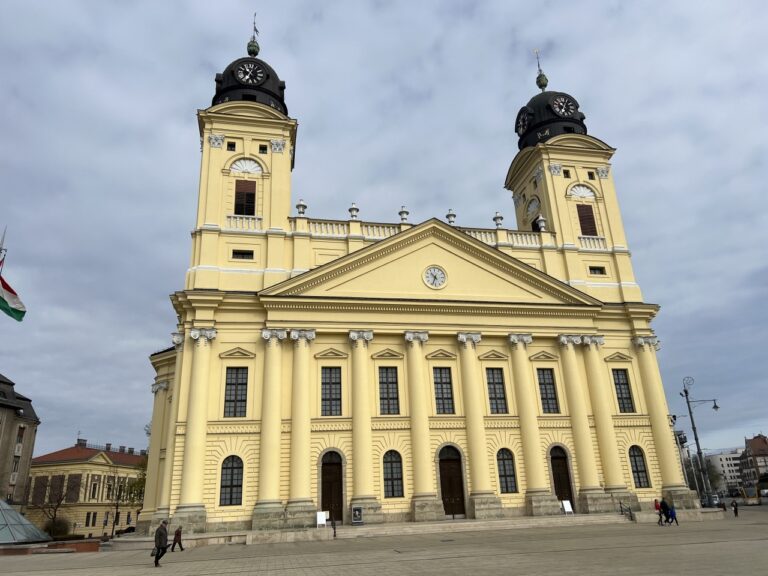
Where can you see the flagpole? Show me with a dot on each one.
(2, 250)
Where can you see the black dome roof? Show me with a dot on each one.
(253, 80)
(547, 115)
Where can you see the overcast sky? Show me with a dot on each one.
(399, 103)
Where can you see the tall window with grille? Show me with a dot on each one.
(623, 390)
(389, 401)
(231, 482)
(330, 391)
(506, 464)
(245, 198)
(236, 393)
(393, 475)
(586, 220)
(443, 390)
(497, 396)
(548, 391)
(639, 469)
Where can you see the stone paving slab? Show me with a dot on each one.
(733, 547)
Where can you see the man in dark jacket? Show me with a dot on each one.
(161, 541)
(177, 540)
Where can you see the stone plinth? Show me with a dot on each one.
(192, 516)
(427, 508)
(483, 506)
(542, 504)
(595, 502)
(371, 509)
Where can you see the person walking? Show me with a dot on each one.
(177, 540)
(735, 506)
(657, 507)
(664, 511)
(673, 516)
(161, 541)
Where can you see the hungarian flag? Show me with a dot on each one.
(9, 300)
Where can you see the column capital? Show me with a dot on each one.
(416, 336)
(364, 336)
(566, 339)
(269, 334)
(157, 386)
(588, 340)
(643, 341)
(202, 333)
(469, 338)
(178, 340)
(304, 334)
(520, 339)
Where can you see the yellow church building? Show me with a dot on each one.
(390, 372)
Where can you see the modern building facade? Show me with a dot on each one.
(727, 467)
(91, 484)
(404, 371)
(18, 428)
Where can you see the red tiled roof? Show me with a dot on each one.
(84, 454)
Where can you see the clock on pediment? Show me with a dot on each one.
(435, 277)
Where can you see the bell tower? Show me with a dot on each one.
(563, 188)
(248, 142)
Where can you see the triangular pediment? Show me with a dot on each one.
(493, 355)
(544, 355)
(618, 357)
(100, 458)
(237, 353)
(402, 266)
(331, 353)
(441, 355)
(387, 354)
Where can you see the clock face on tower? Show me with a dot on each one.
(435, 277)
(521, 124)
(250, 73)
(563, 106)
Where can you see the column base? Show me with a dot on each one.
(371, 510)
(301, 514)
(683, 498)
(541, 504)
(623, 498)
(484, 505)
(192, 516)
(594, 501)
(269, 515)
(427, 508)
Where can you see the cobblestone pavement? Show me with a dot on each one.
(732, 547)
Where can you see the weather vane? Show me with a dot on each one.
(541, 79)
(253, 46)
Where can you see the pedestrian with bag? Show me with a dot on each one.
(735, 506)
(177, 540)
(161, 542)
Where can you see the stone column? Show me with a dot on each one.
(483, 503)
(166, 471)
(425, 505)
(268, 512)
(362, 444)
(592, 498)
(154, 466)
(191, 510)
(301, 510)
(672, 481)
(601, 395)
(539, 500)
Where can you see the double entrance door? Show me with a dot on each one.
(332, 486)
(452, 482)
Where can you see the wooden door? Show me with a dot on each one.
(451, 482)
(332, 481)
(560, 475)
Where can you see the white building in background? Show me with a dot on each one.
(727, 465)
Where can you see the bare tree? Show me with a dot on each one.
(50, 506)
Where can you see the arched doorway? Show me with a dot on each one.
(332, 486)
(451, 481)
(560, 474)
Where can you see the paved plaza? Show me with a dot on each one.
(729, 547)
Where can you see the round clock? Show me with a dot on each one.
(563, 105)
(521, 124)
(435, 277)
(250, 73)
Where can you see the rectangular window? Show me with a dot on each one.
(586, 220)
(87, 518)
(566, 173)
(497, 396)
(443, 390)
(231, 147)
(330, 391)
(93, 518)
(591, 175)
(245, 198)
(236, 393)
(94, 490)
(389, 402)
(597, 270)
(262, 148)
(242, 254)
(20, 435)
(548, 391)
(623, 391)
(16, 461)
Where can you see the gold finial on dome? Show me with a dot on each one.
(253, 46)
(541, 79)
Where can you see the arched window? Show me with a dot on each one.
(231, 482)
(506, 463)
(393, 475)
(639, 470)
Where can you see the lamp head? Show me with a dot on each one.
(715, 407)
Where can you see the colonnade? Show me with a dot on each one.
(425, 503)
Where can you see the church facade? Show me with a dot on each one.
(404, 371)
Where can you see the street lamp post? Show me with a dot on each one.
(687, 383)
